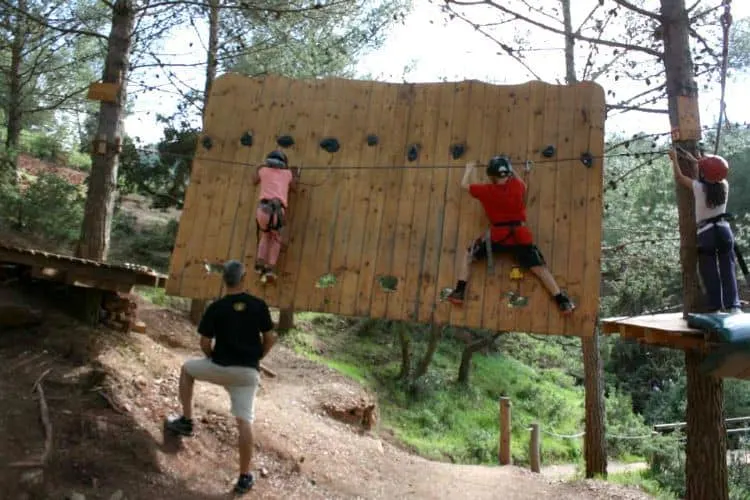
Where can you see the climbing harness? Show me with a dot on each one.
(488, 239)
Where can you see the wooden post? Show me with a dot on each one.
(594, 443)
(534, 452)
(504, 445)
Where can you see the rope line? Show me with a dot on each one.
(389, 167)
(726, 23)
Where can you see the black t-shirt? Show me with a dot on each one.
(236, 322)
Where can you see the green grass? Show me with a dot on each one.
(435, 416)
(643, 480)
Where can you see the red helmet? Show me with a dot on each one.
(713, 168)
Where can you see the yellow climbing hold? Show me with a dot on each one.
(516, 273)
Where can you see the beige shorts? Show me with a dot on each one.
(241, 382)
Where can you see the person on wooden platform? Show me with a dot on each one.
(276, 180)
(715, 237)
(240, 327)
(504, 205)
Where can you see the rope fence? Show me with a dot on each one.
(535, 459)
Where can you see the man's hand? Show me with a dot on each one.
(269, 339)
(206, 346)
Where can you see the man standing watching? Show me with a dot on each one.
(239, 326)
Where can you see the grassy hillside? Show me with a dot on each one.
(442, 420)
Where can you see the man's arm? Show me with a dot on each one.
(207, 331)
(269, 339)
(206, 346)
(266, 328)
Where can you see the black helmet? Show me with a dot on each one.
(277, 159)
(499, 166)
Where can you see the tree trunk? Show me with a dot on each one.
(286, 320)
(436, 333)
(570, 44)
(14, 112)
(403, 337)
(594, 444)
(102, 184)
(706, 466)
(213, 49)
(464, 369)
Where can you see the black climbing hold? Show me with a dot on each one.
(413, 152)
(330, 144)
(372, 140)
(246, 139)
(457, 150)
(549, 151)
(207, 142)
(587, 159)
(285, 141)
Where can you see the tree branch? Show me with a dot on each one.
(636, 108)
(46, 24)
(635, 8)
(59, 102)
(543, 26)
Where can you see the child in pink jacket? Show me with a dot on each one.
(276, 180)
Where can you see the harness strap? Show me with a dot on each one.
(276, 221)
(488, 239)
(718, 218)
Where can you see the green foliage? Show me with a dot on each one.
(739, 45)
(148, 245)
(441, 419)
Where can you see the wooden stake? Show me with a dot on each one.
(534, 452)
(504, 445)
(44, 414)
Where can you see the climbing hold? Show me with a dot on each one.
(528, 165)
(285, 141)
(457, 150)
(444, 293)
(587, 159)
(207, 142)
(413, 152)
(515, 300)
(330, 144)
(246, 139)
(326, 281)
(372, 140)
(388, 283)
(549, 151)
(516, 273)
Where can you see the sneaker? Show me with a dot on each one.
(244, 484)
(270, 275)
(564, 303)
(181, 426)
(260, 268)
(456, 297)
(735, 310)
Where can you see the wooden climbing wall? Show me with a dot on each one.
(411, 221)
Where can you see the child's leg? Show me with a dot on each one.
(709, 269)
(262, 218)
(727, 269)
(476, 251)
(531, 258)
(273, 247)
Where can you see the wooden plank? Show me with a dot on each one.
(384, 98)
(414, 201)
(336, 125)
(530, 286)
(580, 175)
(566, 173)
(354, 112)
(588, 306)
(362, 121)
(452, 250)
(396, 143)
(312, 202)
(471, 221)
(430, 275)
(303, 128)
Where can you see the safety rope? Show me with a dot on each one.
(583, 433)
(726, 23)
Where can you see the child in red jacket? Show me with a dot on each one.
(503, 202)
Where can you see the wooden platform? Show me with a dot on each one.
(82, 272)
(666, 330)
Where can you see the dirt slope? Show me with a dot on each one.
(108, 393)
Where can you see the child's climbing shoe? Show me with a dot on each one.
(564, 303)
(456, 297)
(260, 268)
(244, 484)
(181, 426)
(270, 276)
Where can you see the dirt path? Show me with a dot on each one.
(566, 471)
(291, 421)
